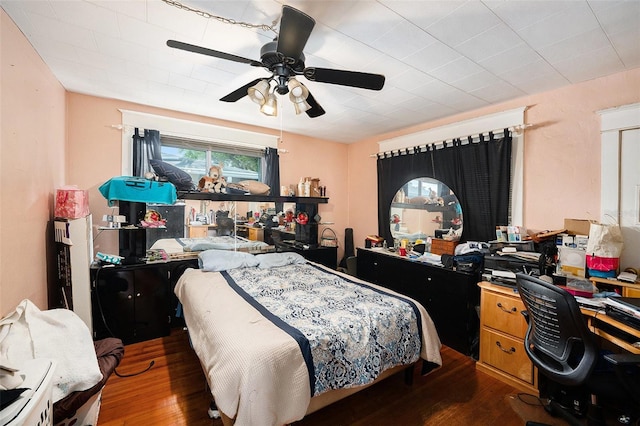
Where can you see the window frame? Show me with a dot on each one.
(179, 128)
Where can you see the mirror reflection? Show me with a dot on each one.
(425, 207)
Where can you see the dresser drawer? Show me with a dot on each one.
(505, 353)
(503, 313)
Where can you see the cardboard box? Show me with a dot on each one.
(439, 246)
(573, 261)
(578, 226)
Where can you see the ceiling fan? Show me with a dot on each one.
(283, 57)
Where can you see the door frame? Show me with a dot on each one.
(613, 122)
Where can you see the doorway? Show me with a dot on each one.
(620, 179)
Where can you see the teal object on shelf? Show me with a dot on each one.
(138, 189)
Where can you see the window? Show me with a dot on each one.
(421, 187)
(195, 157)
(205, 136)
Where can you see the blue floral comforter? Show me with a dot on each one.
(348, 332)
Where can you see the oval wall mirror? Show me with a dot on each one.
(425, 207)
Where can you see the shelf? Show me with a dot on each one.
(193, 195)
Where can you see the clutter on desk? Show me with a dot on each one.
(580, 287)
(604, 249)
(511, 233)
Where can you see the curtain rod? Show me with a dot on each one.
(518, 129)
(121, 127)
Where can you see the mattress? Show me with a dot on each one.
(271, 339)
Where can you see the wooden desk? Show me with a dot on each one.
(199, 231)
(623, 288)
(250, 232)
(612, 330)
(502, 330)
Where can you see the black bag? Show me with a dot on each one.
(469, 262)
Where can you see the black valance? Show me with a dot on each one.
(477, 170)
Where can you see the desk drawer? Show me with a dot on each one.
(503, 313)
(505, 353)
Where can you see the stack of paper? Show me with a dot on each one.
(627, 305)
(590, 303)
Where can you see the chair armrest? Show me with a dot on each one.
(623, 359)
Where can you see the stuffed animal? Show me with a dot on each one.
(215, 172)
(214, 181)
(150, 176)
(209, 184)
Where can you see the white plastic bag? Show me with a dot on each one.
(605, 240)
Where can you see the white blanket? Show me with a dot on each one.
(255, 370)
(58, 334)
(180, 245)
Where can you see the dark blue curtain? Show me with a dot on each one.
(145, 148)
(271, 173)
(478, 172)
(271, 170)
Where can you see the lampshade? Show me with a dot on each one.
(270, 106)
(299, 103)
(259, 92)
(297, 89)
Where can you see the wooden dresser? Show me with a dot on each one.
(502, 330)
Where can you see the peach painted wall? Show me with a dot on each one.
(32, 163)
(50, 139)
(94, 155)
(562, 153)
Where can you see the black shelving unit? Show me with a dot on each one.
(197, 195)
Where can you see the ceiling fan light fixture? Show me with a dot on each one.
(301, 105)
(270, 106)
(259, 92)
(297, 89)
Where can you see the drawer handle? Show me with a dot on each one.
(508, 351)
(514, 309)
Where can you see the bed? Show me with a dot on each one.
(279, 337)
(190, 245)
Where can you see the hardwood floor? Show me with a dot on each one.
(174, 392)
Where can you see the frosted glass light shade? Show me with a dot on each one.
(270, 106)
(259, 92)
(300, 104)
(297, 89)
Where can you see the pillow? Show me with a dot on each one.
(181, 179)
(255, 188)
(274, 260)
(236, 188)
(223, 260)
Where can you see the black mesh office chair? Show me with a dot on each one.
(225, 226)
(563, 349)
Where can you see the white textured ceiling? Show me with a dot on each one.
(439, 57)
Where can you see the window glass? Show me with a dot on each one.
(196, 162)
